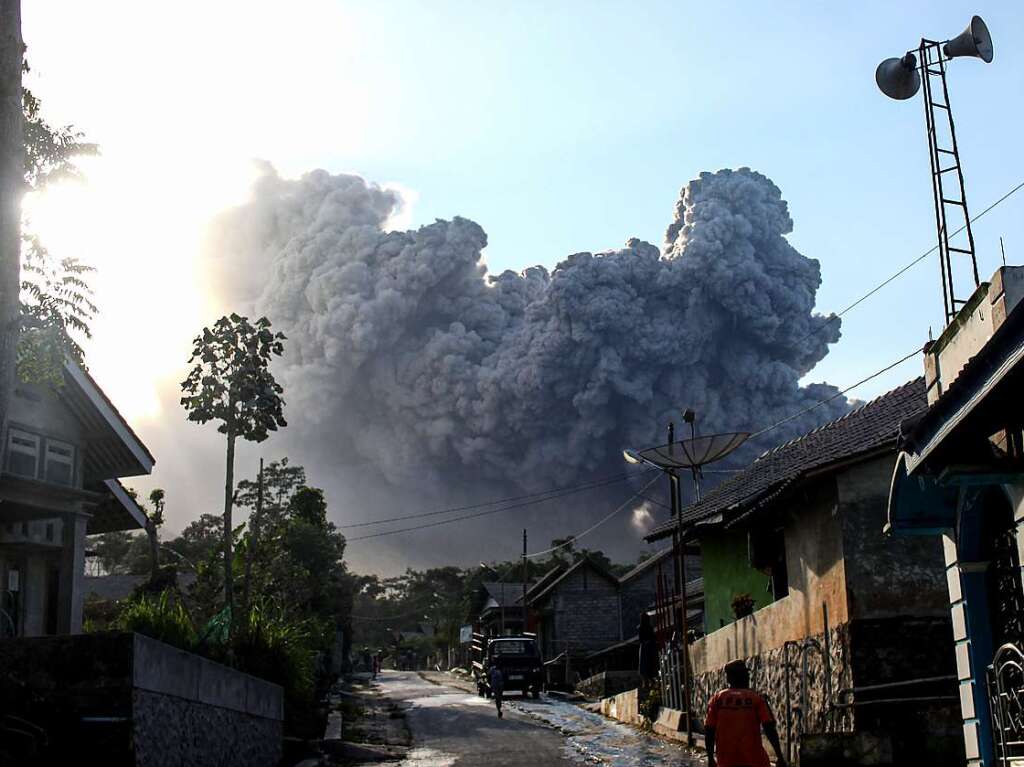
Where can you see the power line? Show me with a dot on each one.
(572, 539)
(907, 268)
(477, 514)
(551, 495)
(601, 481)
(838, 394)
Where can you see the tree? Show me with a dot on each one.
(267, 497)
(11, 189)
(231, 382)
(154, 520)
(56, 299)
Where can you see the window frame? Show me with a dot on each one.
(68, 460)
(13, 433)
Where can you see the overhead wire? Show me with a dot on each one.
(540, 497)
(476, 514)
(599, 482)
(532, 499)
(838, 394)
(572, 539)
(906, 268)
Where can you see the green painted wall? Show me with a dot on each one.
(727, 572)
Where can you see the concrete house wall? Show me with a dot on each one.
(581, 614)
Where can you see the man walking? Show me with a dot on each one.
(735, 719)
(497, 682)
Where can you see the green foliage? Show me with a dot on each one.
(651, 704)
(230, 380)
(280, 481)
(160, 616)
(56, 299)
(271, 645)
(50, 151)
(308, 506)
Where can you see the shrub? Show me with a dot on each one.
(269, 645)
(160, 616)
(651, 704)
(742, 605)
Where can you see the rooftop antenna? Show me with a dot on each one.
(901, 78)
(1002, 250)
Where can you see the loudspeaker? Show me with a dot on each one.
(898, 78)
(975, 41)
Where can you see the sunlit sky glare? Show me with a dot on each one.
(558, 126)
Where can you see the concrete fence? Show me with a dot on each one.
(127, 699)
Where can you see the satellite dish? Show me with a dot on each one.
(898, 78)
(975, 41)
(689, 453)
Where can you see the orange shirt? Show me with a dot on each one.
(737, 716)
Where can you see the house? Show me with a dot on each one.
(584, 611)
(576, 609)
(638, 588)
(63, 452)
(499, 608)
(842, 627)
(959, 477)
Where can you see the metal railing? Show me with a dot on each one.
(1006, 697)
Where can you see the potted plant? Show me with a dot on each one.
(742, 605)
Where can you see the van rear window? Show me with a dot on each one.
(514, 647)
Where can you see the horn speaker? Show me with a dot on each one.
(975, 41)
(898, 78)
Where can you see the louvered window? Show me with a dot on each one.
(60, 462)
(23, 454)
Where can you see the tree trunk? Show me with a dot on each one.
(229, 486)
(254, 533)
(12, 176)
(154, 559)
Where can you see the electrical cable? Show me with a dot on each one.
(478, 514)
(906, 268)
(572, 539)
(838, 394)
(599, 482)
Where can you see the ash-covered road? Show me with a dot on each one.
(452, 727)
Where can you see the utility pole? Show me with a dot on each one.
(525, 579)
(12, 181)
(254, 531)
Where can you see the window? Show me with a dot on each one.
(23, 454)
(60, 462)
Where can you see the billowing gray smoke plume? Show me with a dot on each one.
(406, 356)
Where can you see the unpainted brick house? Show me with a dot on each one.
(838, 607)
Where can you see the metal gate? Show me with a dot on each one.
(1006, 695)
(1005, 676)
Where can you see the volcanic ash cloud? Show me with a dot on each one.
(404, 354)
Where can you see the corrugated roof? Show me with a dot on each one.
(868, 428)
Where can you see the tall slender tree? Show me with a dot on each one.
(154, 519)
(231, 382)
(12, 51)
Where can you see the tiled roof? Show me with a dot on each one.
(860, 431)
(546, 586)
(503, 593)
(651, 561)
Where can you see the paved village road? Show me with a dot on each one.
(454, 728)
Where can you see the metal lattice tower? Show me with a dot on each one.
(951, 214)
